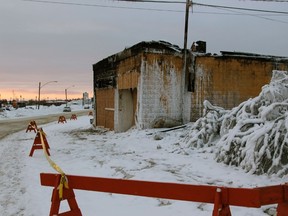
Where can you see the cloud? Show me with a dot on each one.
(42, 42)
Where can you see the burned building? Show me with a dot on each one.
(145, 85)
(139, 86)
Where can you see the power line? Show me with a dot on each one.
(233, 13)
(161, 2)
(258, 15)
(154, 1)
(98, 5)
(282, 1)
(239, 8)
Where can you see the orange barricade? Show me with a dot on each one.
(62, 119)
(37, 143)
(32, 126)
(73, 117)
(33, 123)
(221, 197)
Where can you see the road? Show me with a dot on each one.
(9, 126)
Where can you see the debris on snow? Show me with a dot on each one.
(253, 135)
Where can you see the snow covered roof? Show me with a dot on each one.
(163, 47)
(252, 55)
(157, 45)
(106, 67)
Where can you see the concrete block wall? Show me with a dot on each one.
(159, 98)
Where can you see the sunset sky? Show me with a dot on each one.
(42, 41)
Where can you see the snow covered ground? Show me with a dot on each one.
(80, 150)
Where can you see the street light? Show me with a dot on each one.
(66, 92)
(41, 86)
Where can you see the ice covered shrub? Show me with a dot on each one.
(206, 129)
(254, 134)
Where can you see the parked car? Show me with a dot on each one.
(86, 106)
(67, 109)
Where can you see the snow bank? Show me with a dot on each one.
(253, 135)
(30, 111)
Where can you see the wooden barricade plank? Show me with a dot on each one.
(249, 197)
(271, 194)
(222, 197)
(137, 188)
(185, 192)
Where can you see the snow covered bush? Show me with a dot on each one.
(254, 134)
(206, 129)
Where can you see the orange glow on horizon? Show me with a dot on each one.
(26, 95)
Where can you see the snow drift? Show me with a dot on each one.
(253, 135)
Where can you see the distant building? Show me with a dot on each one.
(86, 98)
(145, 85)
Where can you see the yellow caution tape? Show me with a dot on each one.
(63, 181)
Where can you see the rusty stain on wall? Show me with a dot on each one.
(230, 79)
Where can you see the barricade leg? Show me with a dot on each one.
(282, 209)
(30, 128)
(68, 194)
(220, 209)
(37, 146)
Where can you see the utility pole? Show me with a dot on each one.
(188, 4)
(39, 88)
(184, 73)
(66, 94)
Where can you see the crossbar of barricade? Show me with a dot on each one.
(221, 197)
